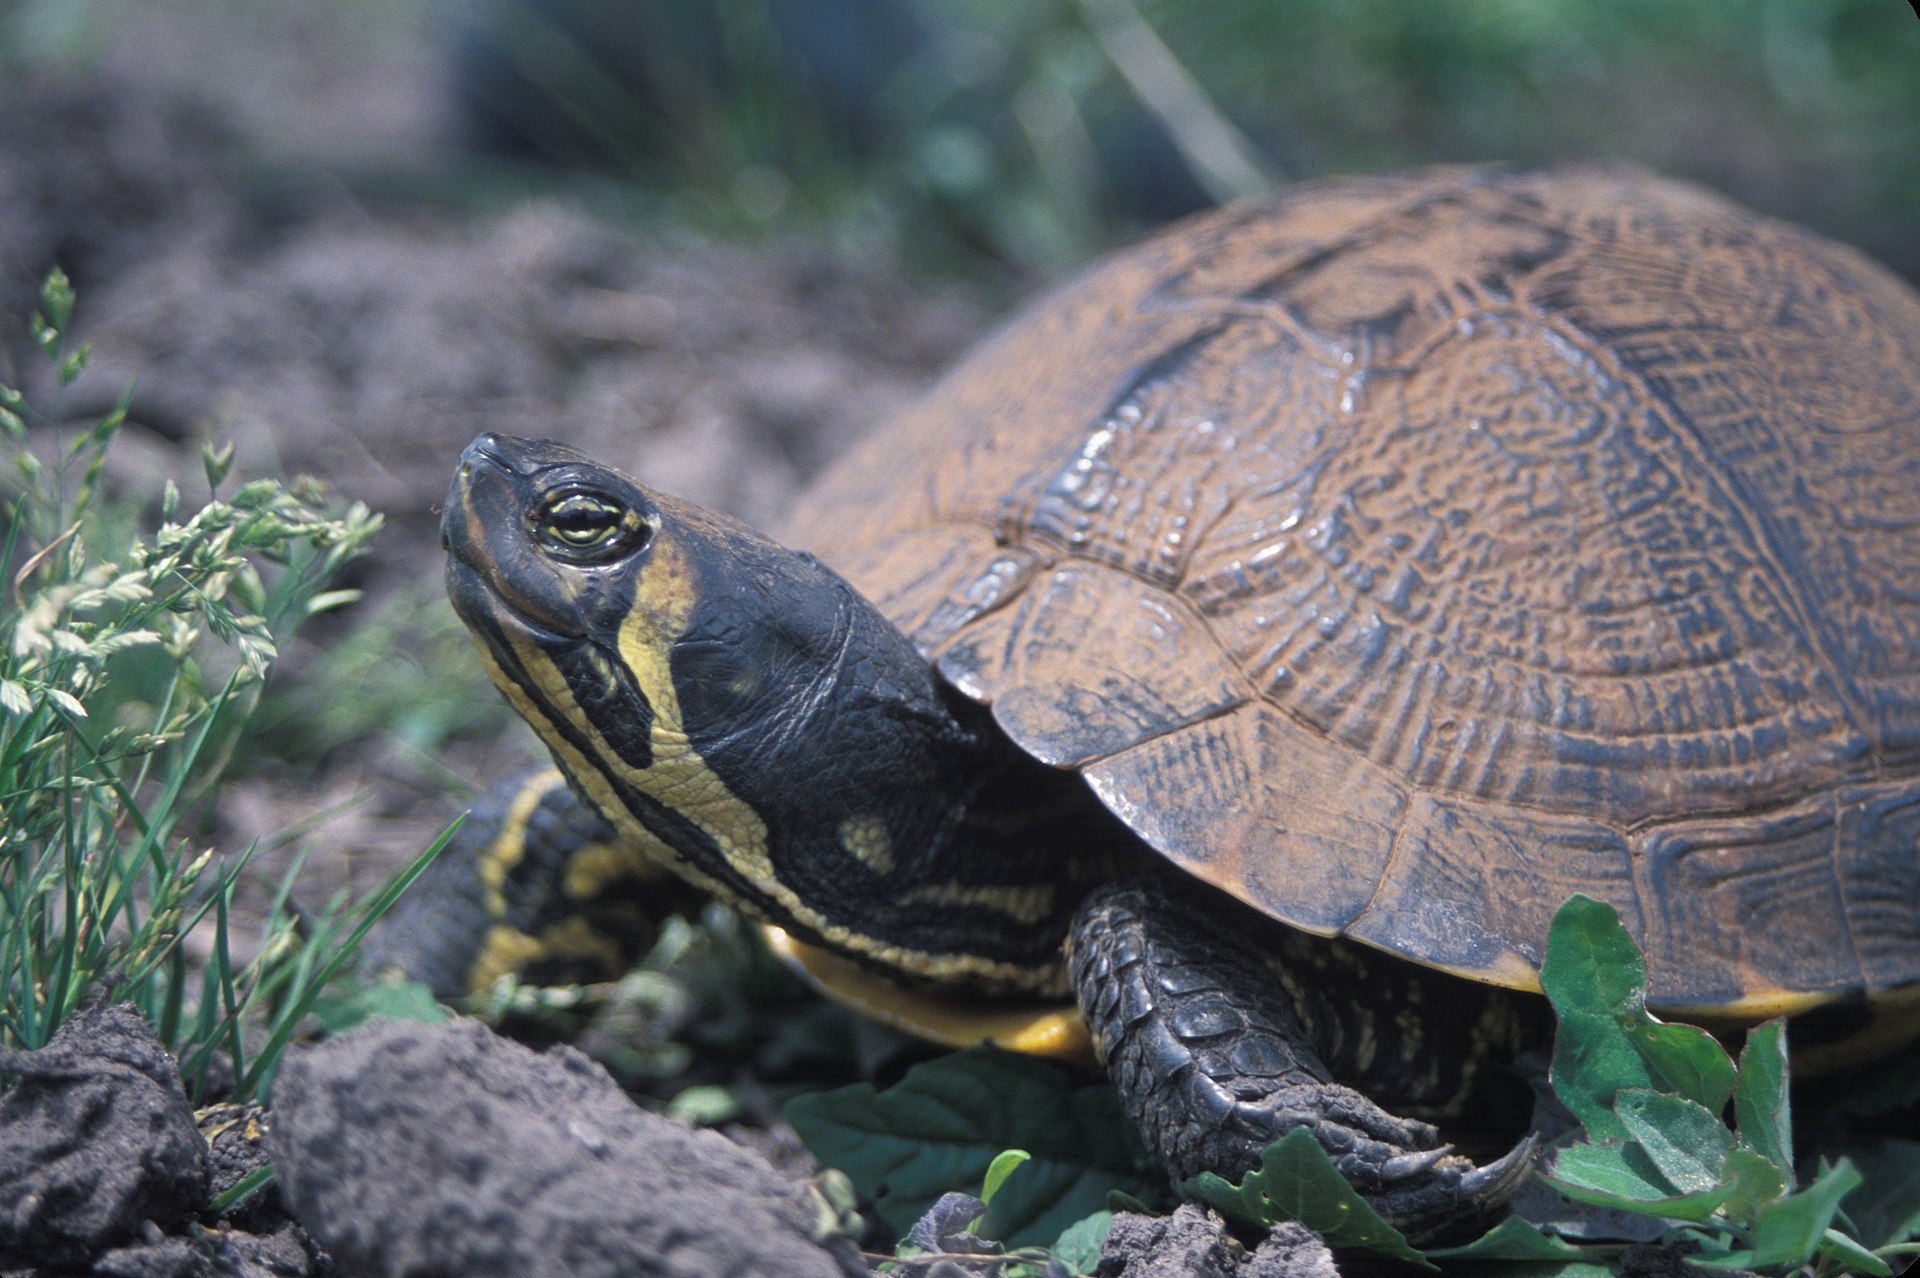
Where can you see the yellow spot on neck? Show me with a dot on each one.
(866, 840)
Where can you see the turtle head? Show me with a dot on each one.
(743, 715)
(645, 640)
(542, 539)
(639, 621)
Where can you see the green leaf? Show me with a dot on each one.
(1607, 1041)
(1685, 1141)
(1845, 1250)
(1760, 1097)
(1297, 1181)
(941, 1127)
(1621, 1175)
(1756, 1182)
(1685, 1060)
(239, 1191)
(998, 1170)
(1790, 1229)
(328, 600)
(1078, 1246)
(1512, 1239)
(1606, 1168)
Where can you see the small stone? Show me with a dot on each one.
(1194, 1243)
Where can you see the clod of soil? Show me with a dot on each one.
(1193, 1243)
(412, 1149)
(97, 1143)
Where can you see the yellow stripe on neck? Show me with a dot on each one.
(679, 779)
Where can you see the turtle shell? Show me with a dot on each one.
(1405, 554)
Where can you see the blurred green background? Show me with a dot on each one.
(1018, 136)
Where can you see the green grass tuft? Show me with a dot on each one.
(129, 664)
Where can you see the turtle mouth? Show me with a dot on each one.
(491, 607)
(492, 566)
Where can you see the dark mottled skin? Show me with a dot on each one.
(1216, 1057)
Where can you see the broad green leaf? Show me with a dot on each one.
(1684, 1140)
(1511, 1239)
(1616, 1167)
(1607, 1041)
(1791, 1228)
(1079, 1245)
(706, 1105)
(1756, 1182)
(1297, 1181)
(1760, 1097)
(941, 1127)
(1685, 1060)
(1593, 977)
(998, 1170)
(1621, 1176)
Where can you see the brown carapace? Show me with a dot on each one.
(1405, 554)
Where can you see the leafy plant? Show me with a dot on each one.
(1652, 1101)
(128, 666)
(949, 1122)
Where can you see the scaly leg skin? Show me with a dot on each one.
(1223, 1032)
(534, 885)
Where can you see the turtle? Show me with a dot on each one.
(1257, 638)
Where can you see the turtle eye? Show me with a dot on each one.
(583, 527)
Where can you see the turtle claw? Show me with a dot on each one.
(1501, 1179)
(1404, 1165)
(1452, 1195)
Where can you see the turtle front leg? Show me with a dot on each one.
(1223, 1032)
